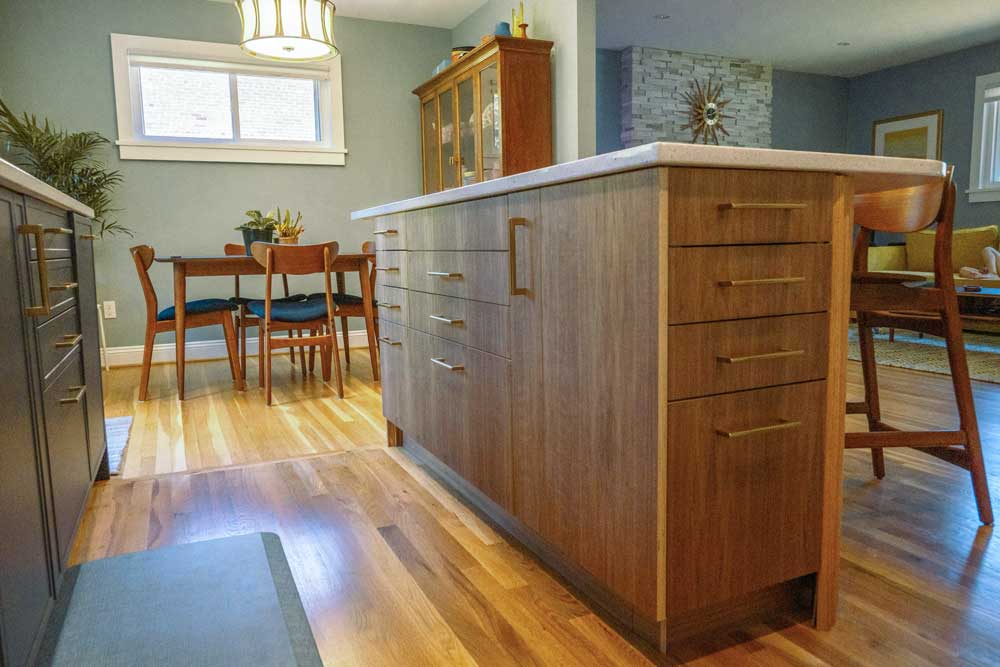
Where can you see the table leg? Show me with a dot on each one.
(369, 300)
(180, 298)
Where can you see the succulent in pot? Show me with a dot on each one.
(289, 230)
(259, 228)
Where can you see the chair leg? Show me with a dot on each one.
(291, 350)
(335, 354)
(347, 346)
(232, 349)
(968, 422)
(147, 361)
(302, 353)
(869, 371)
(312, 353)
(260, 353)
(243, 344)
(267, 364)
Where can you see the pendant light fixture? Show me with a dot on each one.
(291, 30)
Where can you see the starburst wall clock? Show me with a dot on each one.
(705, 113)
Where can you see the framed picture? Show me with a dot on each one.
(917, 135)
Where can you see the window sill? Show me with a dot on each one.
(181, 152)
(984, 195)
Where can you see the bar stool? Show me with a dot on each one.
(895, 300)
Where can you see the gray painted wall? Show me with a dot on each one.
(56, 62)
(809, 112)
(946, 82)
(609, 107)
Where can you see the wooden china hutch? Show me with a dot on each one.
(500, 97)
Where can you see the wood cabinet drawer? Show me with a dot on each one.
(482, 276)
(62, 286)
(720, 357)
(473, 225)
(394, 348)
(477, 324)
(390, 268)
(465, 406)
(733, 206)
(58, 338)
(730, 282)
(392, 304)
(743, 492)
(65, 406)
(390, 232)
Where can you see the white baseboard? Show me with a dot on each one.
(200, 350)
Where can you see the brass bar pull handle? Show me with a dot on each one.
(43, 270)
(445, 274)
(762, 281)
(762, 206)
(80, 390)
(386, 232)
(780, 354)
(69, 340)
(447, 320)
(512, 225)
(390, 306)
(780, 426)
(60, 287)
(87, 237)
(388, 341)
(441, 361)
(59, 230)
(387, 269)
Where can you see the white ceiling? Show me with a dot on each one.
(434, 13)
(802, 35)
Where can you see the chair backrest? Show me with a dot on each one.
(909, 210)
(368, 248)
(235, 249)
(143, 256)
(297, 260)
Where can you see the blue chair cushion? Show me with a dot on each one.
(245, 300)
(198, 307)
(340, 299)
(291, 311)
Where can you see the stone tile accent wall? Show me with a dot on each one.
(654, 109)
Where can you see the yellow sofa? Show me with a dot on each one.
(917, 256)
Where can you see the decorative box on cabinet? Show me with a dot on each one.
(499, 96)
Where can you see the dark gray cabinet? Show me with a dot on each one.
(52, 443)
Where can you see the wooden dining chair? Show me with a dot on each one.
(246, 320)
(895, 300)
(315, 315)
(199, 313)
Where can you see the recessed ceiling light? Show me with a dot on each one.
(843, 43)
(662, 17)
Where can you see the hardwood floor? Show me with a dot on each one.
(394, 571)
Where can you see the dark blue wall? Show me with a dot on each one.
(946, 82)
(609, 101)
(809, 112)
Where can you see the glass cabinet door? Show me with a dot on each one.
(432, 155)
(449, 140)
(467, 136)
(489, 93)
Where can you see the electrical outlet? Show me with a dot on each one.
(110, 310)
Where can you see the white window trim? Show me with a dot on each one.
(131, 147)
(976, 192)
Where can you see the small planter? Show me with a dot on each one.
(288, 240)
(251, 236)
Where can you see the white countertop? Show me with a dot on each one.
(871, 173)
(18, 180)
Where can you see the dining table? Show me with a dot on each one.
(185, 267)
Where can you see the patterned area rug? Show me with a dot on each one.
(116, 431)
(928, 353)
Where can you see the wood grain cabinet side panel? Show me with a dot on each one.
(390, 268)
(480, 224)
(394, 348)
(390, 232)
(737, 206)
(89, 330)
(731, 282)
(743, 512)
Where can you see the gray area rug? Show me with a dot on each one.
(116, 431)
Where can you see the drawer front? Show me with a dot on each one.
(474, 225)
(466, 411)
(482, 276)
(390, 232)
(393, 350)
(390, 268)
(66, 433)
(730, 282)
(732, 206)
(744, 487)
(62, 286)
(58, 231)
(58, 338)
(720, 357)
(477, 324)
(392, 304)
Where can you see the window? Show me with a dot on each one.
(180, 100)
(984, 184)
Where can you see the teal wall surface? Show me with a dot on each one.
(55, 61)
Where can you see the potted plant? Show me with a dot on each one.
(289, 230)
(259, 228)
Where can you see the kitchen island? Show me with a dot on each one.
(634, 363)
